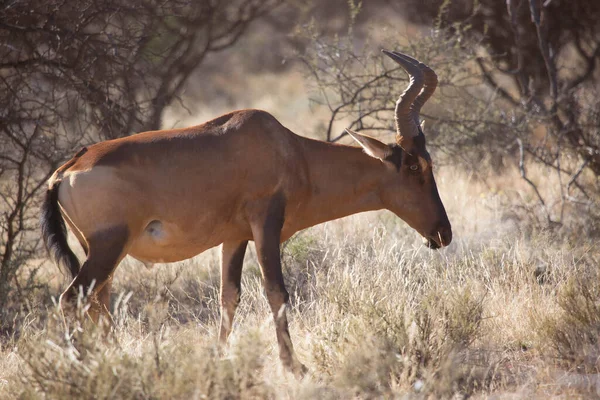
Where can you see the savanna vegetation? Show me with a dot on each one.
(511, 308)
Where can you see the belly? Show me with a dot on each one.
(164, 242)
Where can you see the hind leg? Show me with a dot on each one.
(105, 250)
(104, 298)
(232, 258)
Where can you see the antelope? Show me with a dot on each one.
(165, 196)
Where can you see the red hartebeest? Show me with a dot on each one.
(166, 196)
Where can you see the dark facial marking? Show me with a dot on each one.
(419, 144)
(418, 150)
(396, 156)
(412, 157)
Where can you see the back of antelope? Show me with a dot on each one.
(165, 196)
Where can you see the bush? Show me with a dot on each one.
(573, 334)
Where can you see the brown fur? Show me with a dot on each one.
(166, 196)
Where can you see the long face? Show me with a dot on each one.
(409, 191)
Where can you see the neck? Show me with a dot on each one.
(343, 181)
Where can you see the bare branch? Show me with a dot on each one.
(530, 183)
(492, 82)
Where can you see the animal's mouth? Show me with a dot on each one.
(431, 243)
(441, 238)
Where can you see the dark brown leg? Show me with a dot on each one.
(106, 250)
(267, 233)
(104, 299)
(232, 258)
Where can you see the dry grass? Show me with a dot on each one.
(374, 314)
(506, 310)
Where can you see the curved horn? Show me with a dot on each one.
(430, 81)
(405, 122)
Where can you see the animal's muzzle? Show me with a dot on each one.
(439, 238)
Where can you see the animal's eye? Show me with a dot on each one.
(414, 167)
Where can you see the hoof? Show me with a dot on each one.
(297, 368)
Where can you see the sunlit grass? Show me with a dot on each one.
(374, 314)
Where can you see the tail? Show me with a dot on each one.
(54, 233)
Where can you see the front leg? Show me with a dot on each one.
(266, 229)
(232, 258)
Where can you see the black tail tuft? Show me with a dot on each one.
(54, 233)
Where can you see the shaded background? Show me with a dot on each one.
(516, 115)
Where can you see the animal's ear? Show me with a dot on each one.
(372, 146)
